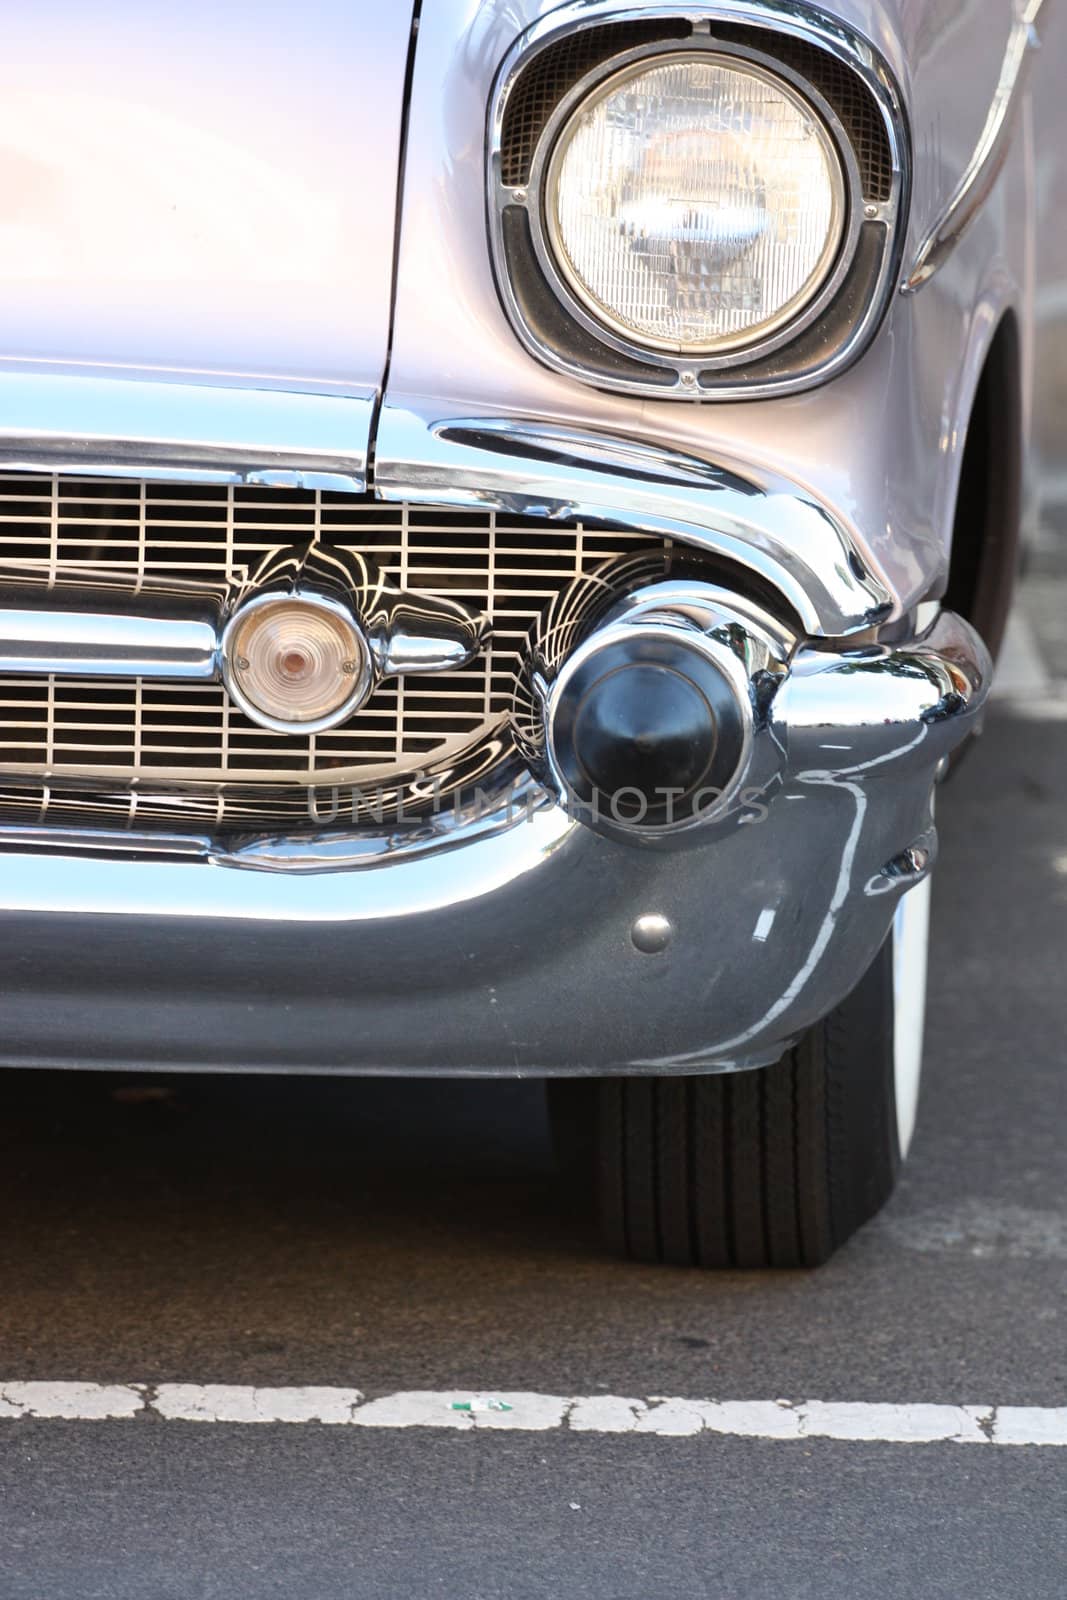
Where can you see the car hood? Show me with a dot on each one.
(202, 190)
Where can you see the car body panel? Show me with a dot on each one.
(186, 190)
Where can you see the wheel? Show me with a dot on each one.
(769, 1168)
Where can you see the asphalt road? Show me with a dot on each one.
(410, 1236)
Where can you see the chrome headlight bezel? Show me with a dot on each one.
(547, 309)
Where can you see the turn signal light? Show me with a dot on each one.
(297, 663)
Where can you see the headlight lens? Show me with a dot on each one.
(695, 203)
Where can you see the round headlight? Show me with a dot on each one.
(695, 203)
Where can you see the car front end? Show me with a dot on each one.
(477, 507)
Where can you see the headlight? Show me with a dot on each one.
(694, 203)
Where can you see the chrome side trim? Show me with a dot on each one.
(699, 378)
(990, 154)
(198, 433)
(512, 799)
(96, 644)
(531, 468)
(403, 882)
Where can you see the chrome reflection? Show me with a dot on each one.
(106, 645)
(405, 632)
(753, 518)
(748, 650)
(192, 433)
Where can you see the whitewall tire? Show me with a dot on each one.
(911, 938)
(771, 1168)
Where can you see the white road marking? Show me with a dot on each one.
(80, 1402)
(237, 1402)
(522, 1411)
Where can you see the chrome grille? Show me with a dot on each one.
(77, 750)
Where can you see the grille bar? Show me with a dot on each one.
(84, 749)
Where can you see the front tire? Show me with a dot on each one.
(770, 1168)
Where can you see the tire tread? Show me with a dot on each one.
(774, 1167)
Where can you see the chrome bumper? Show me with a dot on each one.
(511, 942)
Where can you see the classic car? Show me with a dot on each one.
(508, 510)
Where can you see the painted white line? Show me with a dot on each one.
(524, 1411)
(236, 1402)
(79, 1402)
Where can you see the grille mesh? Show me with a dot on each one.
(548, 78)
(559, 67)
(843, 90)
(77, 750)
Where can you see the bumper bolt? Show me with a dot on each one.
(651, 934)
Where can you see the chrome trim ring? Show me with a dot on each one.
(791, 320)
(751, 373)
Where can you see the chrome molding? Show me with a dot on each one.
(106, 645)
(508, 798)
(990, 154)
(407, 873)
(699, 377)
(756, 520)
(195, 433)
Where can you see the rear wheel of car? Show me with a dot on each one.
(768, 1168)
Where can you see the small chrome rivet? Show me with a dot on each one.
(348, 666)
(519, 195)
(651, 933)
(870, 211)
(689, 378)
(241, 663)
